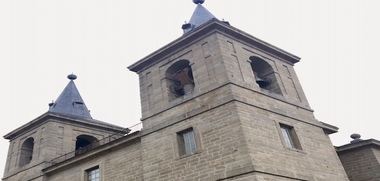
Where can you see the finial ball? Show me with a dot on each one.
(198, 1)
(356, 136)
(72, 77)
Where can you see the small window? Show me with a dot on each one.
(289, 136)
(186, 142)
(93, 174)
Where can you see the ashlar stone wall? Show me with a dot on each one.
(121, 163)
(361, 164)
(52, 139)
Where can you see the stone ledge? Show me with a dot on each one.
(357, 145)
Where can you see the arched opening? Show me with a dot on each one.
(84, 143)
(264, 74)
(26, 154)
(180, 79)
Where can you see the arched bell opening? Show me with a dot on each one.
(180, 80)
(84, 143)
(265, 76)
(26, 154)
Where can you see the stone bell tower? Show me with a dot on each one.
(220, 104)
(63, 132)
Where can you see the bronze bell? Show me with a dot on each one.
(261, 82)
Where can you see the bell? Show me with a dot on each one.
(261, 82)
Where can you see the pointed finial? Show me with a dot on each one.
(198, 1)
(72, 77)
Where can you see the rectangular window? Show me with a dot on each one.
(93, 174)
(186, 141)
(290, 138)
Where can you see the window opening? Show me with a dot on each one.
(186, 141)
(26, 154)
(264, 74)
(84, 143)
(290, 137)
(93, 174)
(180, 79)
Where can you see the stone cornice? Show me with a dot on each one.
(326, 127)
(357, 145)
(48, 115)
(273, 96)
(216, 26)
(137, 135)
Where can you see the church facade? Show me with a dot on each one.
(217, 104)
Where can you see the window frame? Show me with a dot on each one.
(181, 145)
(89, 170)
(289, 137)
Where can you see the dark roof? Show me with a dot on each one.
(357, 145)
(70, 103)
(69, 107)
(200, 16)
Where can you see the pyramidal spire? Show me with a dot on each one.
(70, 102)
(200, 16)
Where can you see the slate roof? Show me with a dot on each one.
(69, 107)
(200, 16)
(70, 102)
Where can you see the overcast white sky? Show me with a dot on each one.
(41, 41)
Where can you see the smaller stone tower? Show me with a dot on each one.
(66, 128)
(361, 159)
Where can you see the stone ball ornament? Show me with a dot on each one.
(355, 136)
(72, 77)
(198, 1)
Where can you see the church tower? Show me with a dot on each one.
(65, 131)
(220, 104)
(217, 105)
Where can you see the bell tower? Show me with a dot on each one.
(229, 106)
(67, 129)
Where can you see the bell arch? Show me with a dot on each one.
(84, 142)
(265, 76)
(180, 80)
(26, 153)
